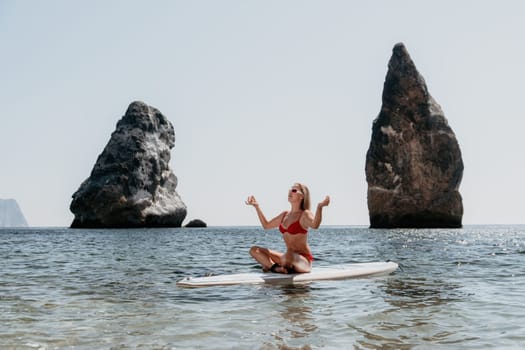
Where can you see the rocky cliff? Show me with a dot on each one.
(10, 214)
(413, 165)
(131, 184)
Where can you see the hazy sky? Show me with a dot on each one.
(261, 94)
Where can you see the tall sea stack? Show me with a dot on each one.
(413, 165)
(131, 184)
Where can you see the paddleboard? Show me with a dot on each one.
(333, 272)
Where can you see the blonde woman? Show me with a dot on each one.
(294, 225)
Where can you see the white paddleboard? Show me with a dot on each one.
(318, 273)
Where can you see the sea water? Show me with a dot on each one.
(116, 289)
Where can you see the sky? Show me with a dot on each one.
(261, 94)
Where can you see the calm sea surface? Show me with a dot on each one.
(116, 289)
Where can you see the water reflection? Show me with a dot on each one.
(414, 314)
(295, 310)
(420, 292)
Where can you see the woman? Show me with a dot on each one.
(294, 227)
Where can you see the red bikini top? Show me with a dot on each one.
(293, 228)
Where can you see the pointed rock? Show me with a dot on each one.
(413, 165)
(131, 184)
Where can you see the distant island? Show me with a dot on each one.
(10, 214)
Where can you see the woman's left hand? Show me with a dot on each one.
(325, 202)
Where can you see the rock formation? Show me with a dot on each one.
(131, 184)
(10, 214)
(413, 166)
(196, 223)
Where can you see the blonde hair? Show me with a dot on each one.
(305, 203)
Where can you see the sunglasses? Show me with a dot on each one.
(295, 190)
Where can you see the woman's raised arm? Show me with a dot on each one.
(314, 221)
(264, 222)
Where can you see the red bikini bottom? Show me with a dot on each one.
(308, 257)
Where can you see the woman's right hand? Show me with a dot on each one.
(252, 201)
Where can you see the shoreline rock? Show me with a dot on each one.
(131, 184)
(413, 165)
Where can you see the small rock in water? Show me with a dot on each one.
(196, 223)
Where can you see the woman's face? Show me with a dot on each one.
(295, 194)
